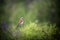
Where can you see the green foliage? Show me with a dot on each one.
(34, 31)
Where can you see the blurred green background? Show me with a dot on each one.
(39, 19)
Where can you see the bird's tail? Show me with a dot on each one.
(18, 26)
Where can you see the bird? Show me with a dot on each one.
(20, 22)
